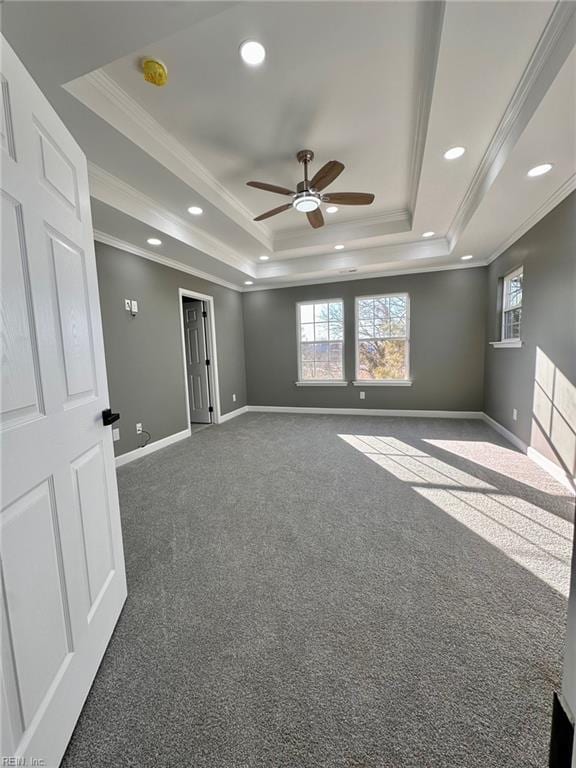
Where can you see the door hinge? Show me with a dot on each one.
(207, 362)
(210, 409)
(204, 314)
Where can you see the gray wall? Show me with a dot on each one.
(539, 379)
(447, 343)
(144, 354)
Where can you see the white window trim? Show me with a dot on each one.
(505, 342)
(407, 382)
(320, 382)
(383, 383)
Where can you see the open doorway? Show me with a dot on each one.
(200, 365)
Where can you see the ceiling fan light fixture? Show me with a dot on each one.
(332, 209)
(306, 203)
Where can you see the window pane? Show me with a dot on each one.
(397, 306)
(322, 371)
(512, 320)
(336, 311)
(398, 326)
(336, 371)
(307, 351)
(307, 332)
(366, 309)
(381, 328)
(308, 371)
(321, 352)
(321, 331)
(512, 291)
(382, 360)
(320, 312)
(336, 331)
(381, 308)
(306, 313)
(335, 352)
(365, 330)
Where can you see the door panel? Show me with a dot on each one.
(62, 563)
(196, 368)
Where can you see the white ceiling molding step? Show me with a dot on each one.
(553, 48)
(555, 199)
(426, 74)
(389, 223)
(117, 194)
(361, 276)
(103, 95)
(373, 258)
(115, 242)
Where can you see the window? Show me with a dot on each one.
(512, 305)
(382, 338)
(321, 340)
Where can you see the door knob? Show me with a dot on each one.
(108, 417)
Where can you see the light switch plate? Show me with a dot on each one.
(115, 435)
(128, 305)
(134, 306)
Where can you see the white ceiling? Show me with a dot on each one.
(383, 87)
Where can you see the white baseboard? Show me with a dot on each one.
(554, 470)
(366, 412)
(232, 414)
(510, 436)
(138, 453)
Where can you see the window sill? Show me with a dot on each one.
(507, 344)
(321, 383)
(389, 383)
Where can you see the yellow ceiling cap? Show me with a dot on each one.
(155, 71)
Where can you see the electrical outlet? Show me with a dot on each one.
(139, 428)
(362, 395)
(233, 398)
(514, 414)
(128, 305)
(115, 434)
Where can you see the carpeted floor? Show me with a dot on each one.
(334, 592)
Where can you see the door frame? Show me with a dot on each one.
(213, 381)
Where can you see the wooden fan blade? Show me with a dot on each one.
(348, 198)
(315, 218)
(269, 187)
(273, 212)
(326, 175)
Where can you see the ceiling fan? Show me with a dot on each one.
(308, 195)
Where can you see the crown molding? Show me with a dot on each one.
(428, 55)
(364, 276)
(100, 93)
(114, 192)
(123, 245)
(555, 199)
(554, 46)
(386, 223)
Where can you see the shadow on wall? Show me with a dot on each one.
(553, 430)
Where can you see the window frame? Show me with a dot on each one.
(358, 382)
(510, 340)
(320, 382)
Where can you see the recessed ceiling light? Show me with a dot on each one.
(454, 153)
(248, 282)
(195, 210)
(154, 241)
(332, 209)
(540, 170)
(467, 257)
(263, 258)
(252, 53)
(428, 234)
(338, 247)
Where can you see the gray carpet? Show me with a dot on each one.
(295, 603)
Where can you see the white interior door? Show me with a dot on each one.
(62, 563)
